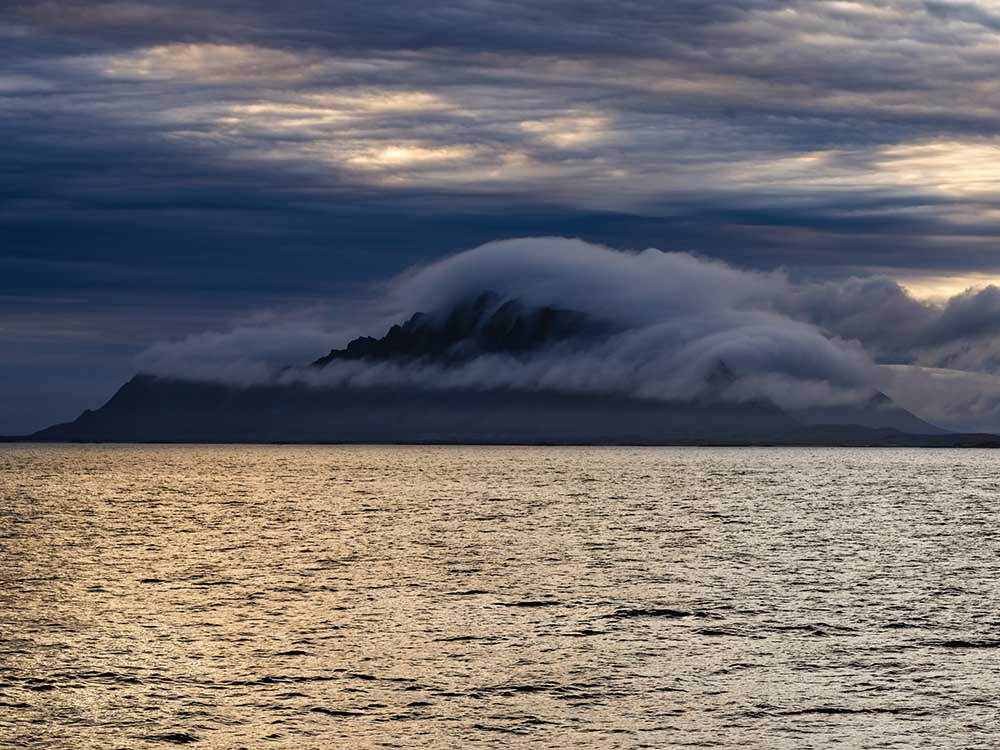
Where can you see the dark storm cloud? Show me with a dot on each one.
(968, 315)
(697, 113)
(230, 156)
(892, 324)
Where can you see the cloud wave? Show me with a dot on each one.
(674, 318)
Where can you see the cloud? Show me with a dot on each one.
(652, 286)
(787, 364)
(247, 153)
(961, 333)
(954, 399)
(671, 321)
(874, 310)
(806, 153)
(633, 288)
(971, 314)
(206, 62)
(673, 318)
(255, 350)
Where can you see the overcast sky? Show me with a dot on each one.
(171, 167)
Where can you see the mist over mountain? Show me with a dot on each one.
(555, 340)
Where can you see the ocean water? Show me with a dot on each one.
(446, 597)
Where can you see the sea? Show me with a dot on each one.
(360, 597)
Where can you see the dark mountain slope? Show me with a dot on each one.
(484, 325)
(152, 409)
(879, 411)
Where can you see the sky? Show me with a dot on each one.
(172, 168)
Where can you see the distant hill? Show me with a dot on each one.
(878, 412)
(154, 409)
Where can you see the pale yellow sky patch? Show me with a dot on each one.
(378, 100)
(938, 289)
(312, 114)
(572, 130)
(404, 156)
(952, 167)
(211, 62)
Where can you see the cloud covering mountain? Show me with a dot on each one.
(665, 322)
(170, 166)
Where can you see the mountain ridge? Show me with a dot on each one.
(486, 324)
(149, 408)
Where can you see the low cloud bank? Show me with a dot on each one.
(674, 318)
(255, 350)
(953, 399)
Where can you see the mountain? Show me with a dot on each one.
(154, 409)
(879, 412)
(487, 324)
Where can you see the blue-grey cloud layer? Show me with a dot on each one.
(168, 164)
(669, 321)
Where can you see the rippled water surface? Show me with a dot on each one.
(362, 597)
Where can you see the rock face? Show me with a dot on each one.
(151, 409)
(485, 325)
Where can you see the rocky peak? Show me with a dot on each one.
(484, 324)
